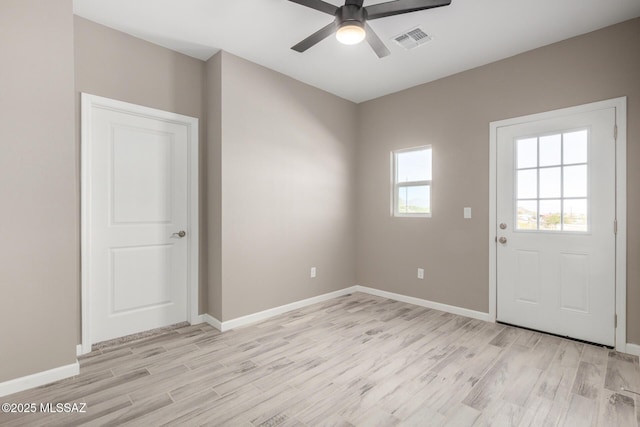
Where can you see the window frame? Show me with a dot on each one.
(395, 186)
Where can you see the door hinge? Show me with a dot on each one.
(615, 226)
(615, 320)
(615, 132)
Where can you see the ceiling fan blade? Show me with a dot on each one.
(318, 5)
(376, 44)
(316, 37)
(354, 3)
(398, 7)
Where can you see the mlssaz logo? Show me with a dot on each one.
(66, 408)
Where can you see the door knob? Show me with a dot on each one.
(502, 240)
(180, 234)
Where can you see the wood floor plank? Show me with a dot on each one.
(622, 372)
(521, 385)
(424, 416)
(356, 360)
(375, 417)
(617, 410)
(461, 415)
(154, 358)
(184, 389)
(132, 412)
(496, 380)
(199, 415)
(507, 337)
(500, 413)
(581, 411)
(556, 381)
(95, 412)
(536, 412)
(198, 400)
(589, 380)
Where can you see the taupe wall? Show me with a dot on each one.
(38, 215)
(213, 98)
(288, 188)
(453, 115)
(115, 65)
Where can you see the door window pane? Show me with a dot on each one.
(575, 215)
(575, 181)
(550, 218)
(550, 150)
(528, 184)
(550, 183)
(527, 153)
(527, 215)
(574, 147)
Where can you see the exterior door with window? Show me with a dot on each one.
(555, 225)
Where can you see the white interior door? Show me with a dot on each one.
(138, 218)
(555, 225)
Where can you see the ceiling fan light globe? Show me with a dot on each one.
(350, 34)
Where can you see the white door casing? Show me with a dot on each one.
(139, 189)
(568, 281)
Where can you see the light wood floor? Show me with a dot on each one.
(356, 360)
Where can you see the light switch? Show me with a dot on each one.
(467, 213)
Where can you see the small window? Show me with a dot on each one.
(412, 182)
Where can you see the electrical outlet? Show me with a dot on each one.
(313, 272)
(421, 273)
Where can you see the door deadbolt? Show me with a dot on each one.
(503, 226)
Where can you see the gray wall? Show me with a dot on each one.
(213, 98)
(38, 175)
(453, 115)
(115, 65)
(287, 189)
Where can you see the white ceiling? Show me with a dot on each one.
(467, 34)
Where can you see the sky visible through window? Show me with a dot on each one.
(413, 166)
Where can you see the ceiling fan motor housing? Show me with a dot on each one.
(351, 15)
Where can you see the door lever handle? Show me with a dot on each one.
(179, 234)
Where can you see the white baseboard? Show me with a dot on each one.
(266, 314)
(206, 318)
(425, 303)
(633, 349)
(41, 378)
(79, 351)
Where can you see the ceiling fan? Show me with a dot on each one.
(350, 23)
